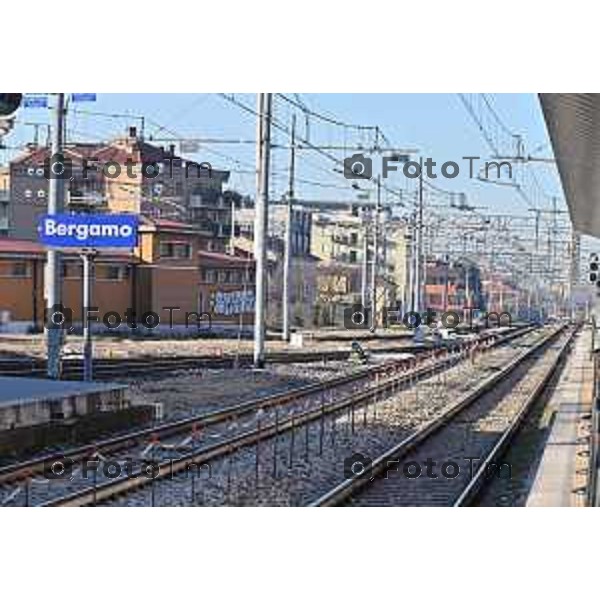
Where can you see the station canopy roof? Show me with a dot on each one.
(573, 122)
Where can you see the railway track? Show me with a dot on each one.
(114, 368)
(34, 466)
(147, 367)
(448, 459)
(391, 380)
(390, 376)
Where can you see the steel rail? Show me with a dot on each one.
(477, 483)
(34, 466)
(346, 489)
(110, 368)
(123, 485)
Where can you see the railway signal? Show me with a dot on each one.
(9, 103)
(594, 268)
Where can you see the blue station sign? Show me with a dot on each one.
(35, 101)
(89, 231)
(83, 97)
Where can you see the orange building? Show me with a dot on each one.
(166, 274)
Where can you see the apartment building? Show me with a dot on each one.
(303, 282)
(339, 238)
(453, 286)
(4, 200)
(501, 294)
(301, 225)
(338, 242)
(339, 235)
(125, 175)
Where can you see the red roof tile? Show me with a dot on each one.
(12, 246)
(217, 257)
(147, 221)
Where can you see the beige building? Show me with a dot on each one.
(303, 283)
(338, 240)
(303, 272)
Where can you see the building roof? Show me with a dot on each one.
(37, 154)
(15, 246)
(217, 258)
(573, 123)
(118, 150)
(27, 248)
(149, 223)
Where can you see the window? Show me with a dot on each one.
(72, 270)
(354, 238)
(20, 269)
(64, 270)
(210, 276)
(114, 273)
(175, 250)
(353, 256)
(166, 250)
(183, 251)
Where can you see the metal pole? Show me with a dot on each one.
(411, 264)
(260, 227)
(403, 281)
(87, 258)
(419, 243)
(375, 257)
(53, 278)
(466, 312)
(287, 259)
(232, 231)
(573, 271)
(365, 264)
(446, 277)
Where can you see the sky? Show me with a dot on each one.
(434, 125)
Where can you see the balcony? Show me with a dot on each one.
(86, 197)
(206, 226)
(201, 201)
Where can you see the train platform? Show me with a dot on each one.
(560, 477)
(32, 401)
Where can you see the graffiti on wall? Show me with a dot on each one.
(232, 303)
